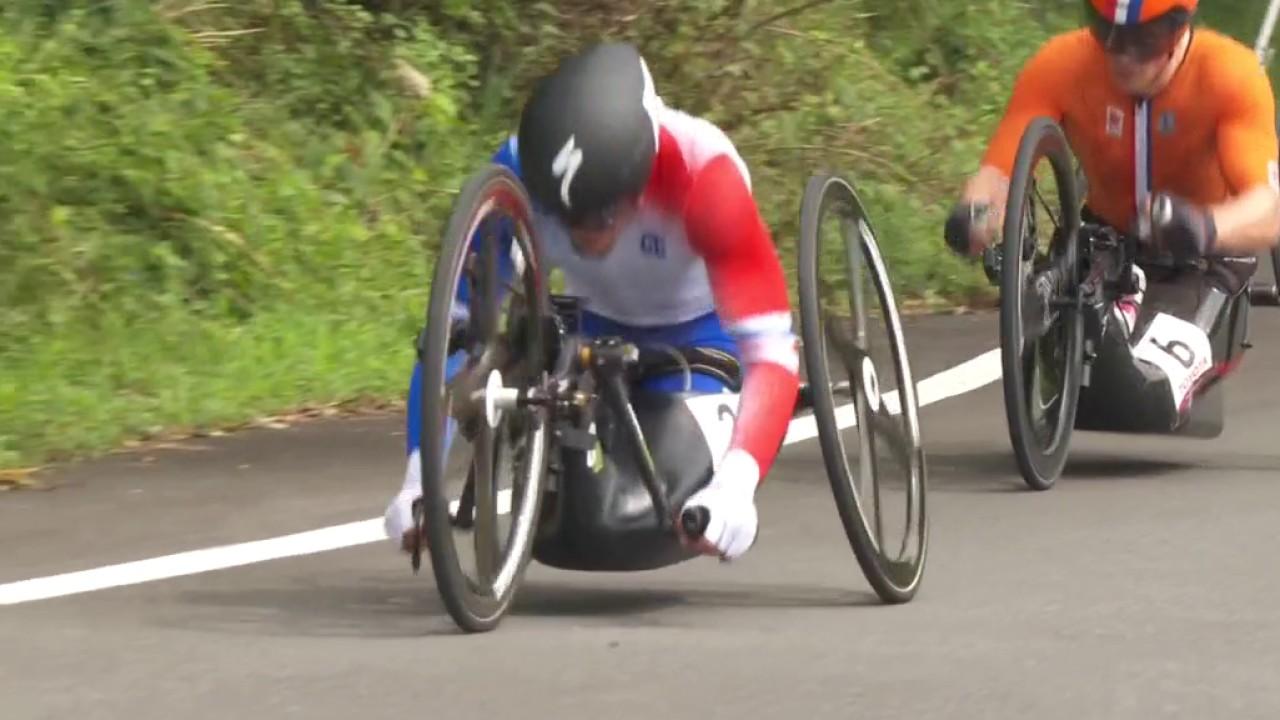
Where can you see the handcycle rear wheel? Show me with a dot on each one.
(1041, 444)
(1262, 292)
(493, 204)
(894, 568)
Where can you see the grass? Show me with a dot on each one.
(174, 376)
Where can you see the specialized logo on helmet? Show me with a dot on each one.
(565, 167)
(650, 100)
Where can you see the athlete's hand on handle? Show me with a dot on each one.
(966, 231)
(975, 221)
(724, 511)
(1181, 228)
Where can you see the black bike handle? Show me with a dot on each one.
(959, 225)
(694, 521)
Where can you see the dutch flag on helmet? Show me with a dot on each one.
(1127, 12)
(1133, 12)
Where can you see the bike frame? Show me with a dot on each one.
(1103, 286)
(1263, 45)
(1110, 281)
(609, 361)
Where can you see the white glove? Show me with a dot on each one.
(731, 506)
(397, 519)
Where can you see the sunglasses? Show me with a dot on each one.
(1144, 42)
(600, 220)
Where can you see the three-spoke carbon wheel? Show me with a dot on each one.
(854, 350)
(1041, 320)
(483, 470)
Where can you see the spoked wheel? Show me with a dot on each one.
(854, 351)
(493, 474)
(1041, 319)
(1262, 292)
(1275, 276)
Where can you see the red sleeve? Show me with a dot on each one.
(725, 228)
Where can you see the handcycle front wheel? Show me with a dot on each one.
(887, 451)
(513, 444)
(1041, 319)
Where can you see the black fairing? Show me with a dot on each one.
(605, 521)
(1125, 395)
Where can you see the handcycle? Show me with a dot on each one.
(551, 411)
(1065, 365)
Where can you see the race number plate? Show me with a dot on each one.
(715, 414)
(1180, 349)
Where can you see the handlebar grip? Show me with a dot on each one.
(959, 225)
(694, 521)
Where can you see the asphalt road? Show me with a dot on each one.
(1144, 585)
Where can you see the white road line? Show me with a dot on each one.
(193, 562)
(963, 378)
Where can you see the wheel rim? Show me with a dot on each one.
(1045, 257)
(1043, 358)
(861, 343)
(505, 463)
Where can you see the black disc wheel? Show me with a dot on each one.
(860, 386)
(1041, 320)
(483, 467)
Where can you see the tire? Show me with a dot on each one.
(1275, 268)
(479, 604)
(1040, 460)
(894, 579)
(1275, 257)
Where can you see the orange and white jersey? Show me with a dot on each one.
(1208, 136)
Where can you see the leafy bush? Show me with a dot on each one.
(163, 182)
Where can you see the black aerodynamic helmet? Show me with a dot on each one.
(589, 132)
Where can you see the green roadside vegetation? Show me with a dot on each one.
(211, 212)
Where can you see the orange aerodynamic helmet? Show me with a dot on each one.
(1134, 12)
(1145, 29)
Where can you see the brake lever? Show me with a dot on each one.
(415, 557)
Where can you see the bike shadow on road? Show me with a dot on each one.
(975, 471)
(377, 607)
(550, 599)
(368, 607)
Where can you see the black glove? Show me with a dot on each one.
(960, 223)
(1181, 228)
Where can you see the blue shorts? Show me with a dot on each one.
(704, 331)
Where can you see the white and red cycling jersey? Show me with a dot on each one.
(697, 246)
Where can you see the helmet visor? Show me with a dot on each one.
(1143, 42)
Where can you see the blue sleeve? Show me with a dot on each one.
(508, 157)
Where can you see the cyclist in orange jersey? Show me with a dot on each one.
(1152, 107)
(1174, 127)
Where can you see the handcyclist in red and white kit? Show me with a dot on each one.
(649, 214)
